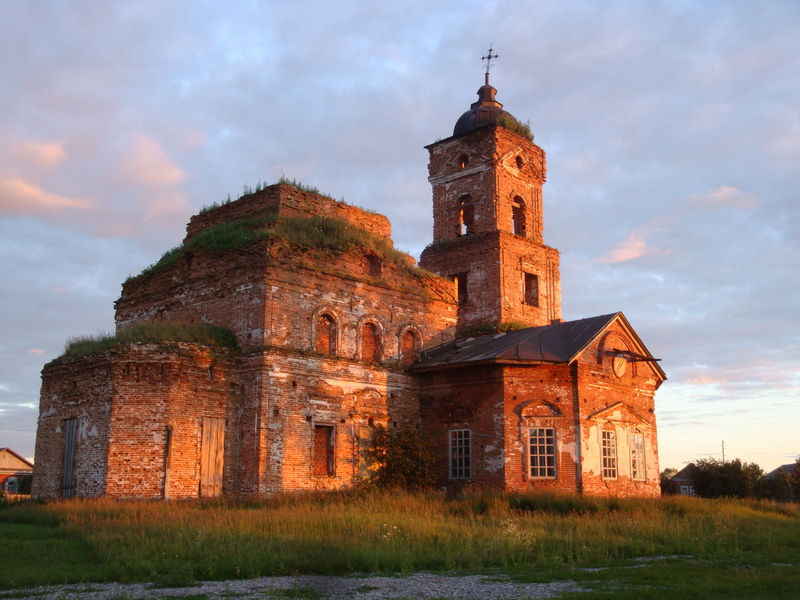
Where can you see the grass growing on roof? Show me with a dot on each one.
(201, 333)
(247, 190)
(324, 233)
(522, 129)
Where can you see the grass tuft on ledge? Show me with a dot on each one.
(247, 190)
(518, 127)
(199, 333)
(488, 328)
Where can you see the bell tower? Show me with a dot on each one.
(487, 183)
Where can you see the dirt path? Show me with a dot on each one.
(418, 585)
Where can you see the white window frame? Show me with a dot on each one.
(608, 453)
(542, 462)
(638, 465)
(460, 453)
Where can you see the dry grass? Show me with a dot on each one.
(399, 532)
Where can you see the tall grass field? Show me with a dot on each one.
(673, 547)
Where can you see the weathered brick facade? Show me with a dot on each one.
(501, 399)
(335, 342)
(488, 228)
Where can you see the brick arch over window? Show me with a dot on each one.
(370, 340)
(409, 346)
(537, 409)
(325, 331)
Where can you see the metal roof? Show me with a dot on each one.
(486, 111)
(558, 342)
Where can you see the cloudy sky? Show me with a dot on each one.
(672, 130)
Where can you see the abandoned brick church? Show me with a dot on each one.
(333, 342)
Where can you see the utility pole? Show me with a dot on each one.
(723, 451)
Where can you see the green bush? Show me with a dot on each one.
(714, 478)
(400, 458)
(514, 126)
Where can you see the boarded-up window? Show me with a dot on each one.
(409, 348)
(70, 443)
(212, 451)
(531, 284)
(322, 464)
(167, 461)
(326, 335)
(370, 342)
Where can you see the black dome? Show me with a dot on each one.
(486, 111)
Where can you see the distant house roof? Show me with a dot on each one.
(13, 461)
(684, 475)
(559, 342)
(787, 469)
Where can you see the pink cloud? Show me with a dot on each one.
(21, 197)
(634, 246)
(147, 163)
(45, 155)
(726, 196)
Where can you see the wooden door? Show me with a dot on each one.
(212, 450)
(70, 441)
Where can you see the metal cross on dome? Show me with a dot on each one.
(488, 58)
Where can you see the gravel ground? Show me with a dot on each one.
(417, 586)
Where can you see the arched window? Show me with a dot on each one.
(409, 347)
(370, 342)
(518, 217)
(466, 216)
(326, 335)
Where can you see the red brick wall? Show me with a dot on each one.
(501, 168)
(288, 201)
(285, 383)
(491, 178)
(500, 404)
(535, 397)
(466, 399)
(304, 391)
(124, 400)
(601, 388)
(271, 295)
(495, 264)
(74, 388)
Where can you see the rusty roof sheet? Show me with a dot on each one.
(555, 343)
